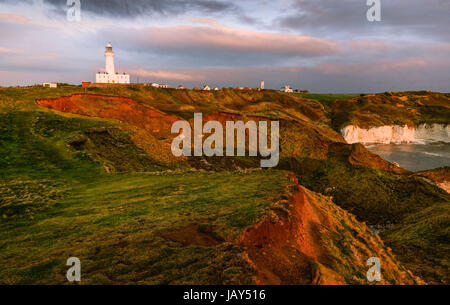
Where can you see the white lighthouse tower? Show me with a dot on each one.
(109, 54)
(110, 76)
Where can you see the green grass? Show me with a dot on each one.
(325, 98)
(35, 144)
(378, 197)
(410, 108)
(112, 223)
(22, 98)
(413, 215)
(57, 201)
(422, 242)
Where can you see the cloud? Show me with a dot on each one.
(347, 18)
(225, 41)
(126, 9)
(376, 76)
(14, 18)
(324, 46)
(167, 75)
(375, 67)
(9, 51)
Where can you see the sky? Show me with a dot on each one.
(324, 46)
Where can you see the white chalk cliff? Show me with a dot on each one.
(397, 134)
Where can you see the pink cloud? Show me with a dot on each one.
(225, 38)
(382, 66)
(166, 74)
(362, 45)
(10, 51)
(14, 18)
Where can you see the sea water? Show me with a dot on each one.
(415, 157)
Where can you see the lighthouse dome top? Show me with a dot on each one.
(109, 48)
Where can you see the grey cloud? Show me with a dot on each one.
(134, 8)
(347, 18)
(232, 55)
(328, 79)
(218, 46)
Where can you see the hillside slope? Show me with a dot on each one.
(316, 242)
(65, 141)
(441, 176)
(391, 108)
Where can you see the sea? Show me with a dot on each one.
(415, 157)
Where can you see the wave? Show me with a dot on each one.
(432, 154)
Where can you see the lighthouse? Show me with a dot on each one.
(109, 55)
(110, 76)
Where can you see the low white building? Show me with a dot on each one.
(50, 85)
(206, 88)
(287, 89)
(106, 78)
(110, 76)
(155, 85)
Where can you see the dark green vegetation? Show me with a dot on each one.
(72, 185)
(376, 196)
(391, 108)
(35, 143)
(326, 99)
(390, 202)
(115, 224)
(115, 150)
(57, 202)
(422, 241)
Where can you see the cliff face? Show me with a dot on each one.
(440, 176)
(391, 109)
(123, 109)
(315, 242)
(149, 126)
(433, 132)
(397, 134)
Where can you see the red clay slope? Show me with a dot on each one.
(122, 109)
(316, 243)
(149, 128)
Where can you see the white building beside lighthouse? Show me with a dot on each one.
(110, 76)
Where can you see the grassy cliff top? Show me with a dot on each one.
(335, 110)
(141, 228)
(91, 175)
(391, 108)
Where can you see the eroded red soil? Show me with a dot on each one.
(149, 128)
(122, 109)
(288, 251)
